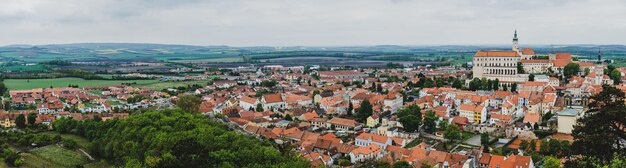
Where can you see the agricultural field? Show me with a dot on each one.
(55, 156)
(171, 84)
(15, 68)
(24, 84)
(225, 59)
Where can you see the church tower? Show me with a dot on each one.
(515, 43)
(599, 56)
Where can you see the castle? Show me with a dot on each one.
(502, 64)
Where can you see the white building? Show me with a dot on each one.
(566, 120)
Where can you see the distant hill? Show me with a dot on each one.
(164, 52)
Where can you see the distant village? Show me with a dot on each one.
(492, 112)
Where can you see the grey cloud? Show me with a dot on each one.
(306, 22)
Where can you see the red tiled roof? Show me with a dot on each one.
(273, 98)
(496, 54)
(528, 51)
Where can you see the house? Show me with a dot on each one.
(513, 161)
(342, 124)
(248, 103)
(459, 121)
(273, 101)
(393, 101)
(363, 153)
(474, 113)
(319, 159)
(372, 120)
(366, 139)
(566, 119)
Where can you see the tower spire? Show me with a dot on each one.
(515, 46)
(599, 56)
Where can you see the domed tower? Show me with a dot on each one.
(515, 43)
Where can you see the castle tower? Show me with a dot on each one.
(515, 43)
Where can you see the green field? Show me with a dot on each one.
(23, 68)
(58, 156)
(22, 84)
(210, 60)
(98, 164)
(171, 84)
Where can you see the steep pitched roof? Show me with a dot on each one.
(273, 98)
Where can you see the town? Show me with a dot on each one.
(505, 108)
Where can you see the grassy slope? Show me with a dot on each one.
(20, 84)
(60, 156)
(98, 164)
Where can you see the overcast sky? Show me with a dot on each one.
(313, 22)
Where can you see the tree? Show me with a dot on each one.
(20, 121)
(523, 145)
(70, 144)
(514, 87)
(505, 87)
(571, 69)
(600, 134)
(457, 83)
(2, 88)
(520, 68)
(496, 84)
(288, 117)
(616, 76)
(350, 108)
(411, 123)
(364, 111)
(32, 118)
(452, 133)
(344, 162)
(484, 84)
(188, 103)
(531, 77)
(484, 139)
(401, 164)
(259, 108)
(551, 162)
(430, 122)
(181, 139)
(410, 117)
(13, 159)
(474, 84)
(442, 125)
(427, 83)
(587, 70)
(533, 146)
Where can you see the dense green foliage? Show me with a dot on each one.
(364, 111)
(410, 117)
(430, 122)
(175, 139)
(571, 69)
(600, 134)
(188, 103)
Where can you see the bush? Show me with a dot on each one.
(70, 144)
